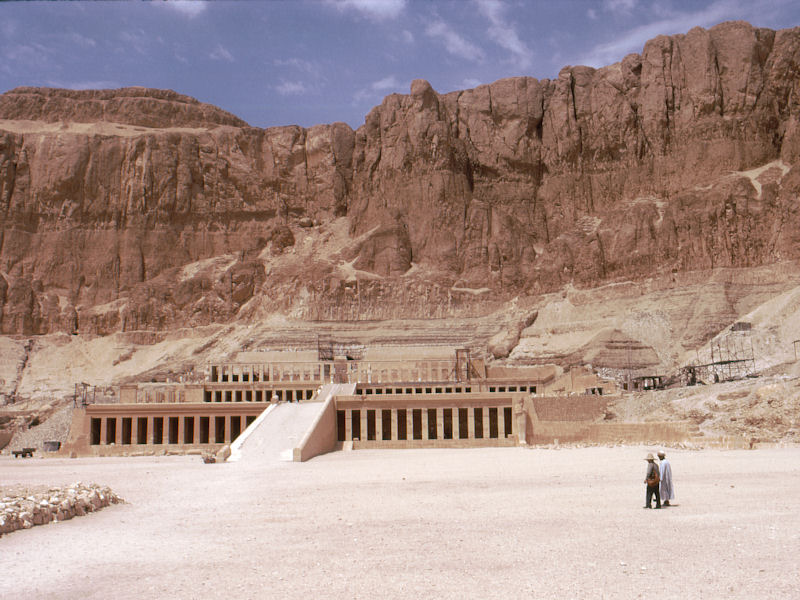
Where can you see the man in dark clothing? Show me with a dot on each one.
(651, 478)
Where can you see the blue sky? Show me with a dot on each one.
(304, 62)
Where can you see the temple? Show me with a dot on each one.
(384, 397)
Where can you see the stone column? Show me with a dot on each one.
(103, 430)
(149, 431)
(470, 423)
(440, 423)
(212, 429)
(501, 423)
(425, 424)
(409, 423)
(181, 427)
(393, 436)
(378, 424)
(228, 419)
(364, 433)
(348, 425)
(197, 429)
(134, 430)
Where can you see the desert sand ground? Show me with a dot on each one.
(478, 523)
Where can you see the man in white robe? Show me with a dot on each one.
(666, 489)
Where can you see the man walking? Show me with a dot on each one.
(651, 478)
(667, 492)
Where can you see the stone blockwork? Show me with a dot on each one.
(132, 209)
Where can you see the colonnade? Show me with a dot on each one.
(242, 394)
(418, 423)
(289, 371)
(167, 429)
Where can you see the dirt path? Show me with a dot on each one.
(484, 523)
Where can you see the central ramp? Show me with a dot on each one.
(274, 435)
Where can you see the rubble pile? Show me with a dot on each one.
(54, 505)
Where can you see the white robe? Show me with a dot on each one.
(666, 489)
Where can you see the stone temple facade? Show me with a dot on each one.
(390, 397)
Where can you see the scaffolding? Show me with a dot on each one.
(731, 358)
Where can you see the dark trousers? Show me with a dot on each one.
(653, 490)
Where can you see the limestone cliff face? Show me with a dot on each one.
(136, 208)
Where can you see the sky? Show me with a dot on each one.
(305, 62)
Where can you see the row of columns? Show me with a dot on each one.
(111, 429)
(475, 415)
(266, 395)
(267, 372)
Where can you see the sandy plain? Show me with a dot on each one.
(476, 523)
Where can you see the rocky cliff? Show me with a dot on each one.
(144, 209)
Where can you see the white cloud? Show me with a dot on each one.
(377, 90)
(187, 8)
(387, 83)
(27, 55)
(592, 14)
(298, 64)
(453, 42)
(619, 6)
(82, 40)
(291, 88)
(503, 33)
(471, 82)
(137, 39)
(221, 53)
(407, 36)
(634, 40)
(378, 10)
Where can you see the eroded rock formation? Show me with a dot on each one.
(144, 209)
